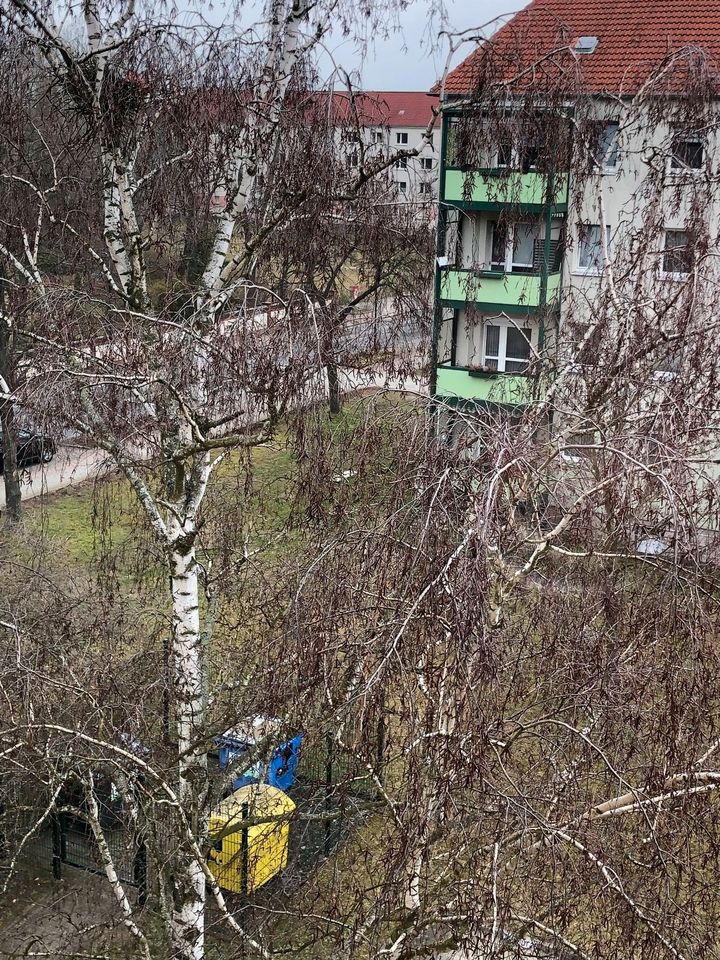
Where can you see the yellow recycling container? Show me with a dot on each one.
(242, 860)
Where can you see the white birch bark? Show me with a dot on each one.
(190, 893)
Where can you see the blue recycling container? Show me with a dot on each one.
(280, 771)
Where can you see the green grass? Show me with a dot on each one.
(255, 494)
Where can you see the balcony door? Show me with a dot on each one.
(513, 246)
(507, 347)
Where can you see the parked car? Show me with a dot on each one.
(31, 448)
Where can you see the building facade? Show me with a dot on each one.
(536, 230)
(381, 123)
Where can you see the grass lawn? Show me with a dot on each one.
(104, 516)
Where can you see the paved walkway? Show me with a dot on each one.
(72, 465)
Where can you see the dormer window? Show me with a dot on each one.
(586, 45)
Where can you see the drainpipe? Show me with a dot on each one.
(439, 249)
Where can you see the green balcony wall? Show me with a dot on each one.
(501, 388)
(503, 290)
(527, 189)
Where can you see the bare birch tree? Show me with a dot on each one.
(159, 369)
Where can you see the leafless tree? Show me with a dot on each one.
(133, 130)
(532, 698)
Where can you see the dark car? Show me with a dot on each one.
(31, 448)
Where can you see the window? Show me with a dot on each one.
(523, 251)
(401, 138)
(677, 254)
(687, 153)
(377, 136)
(499, 242)
(607, 150)
(354, 158)
(505, 154)
(426, 188)
(426, 163)
(590, 248)
(513, 248)
(580, 444)
(507, 348)
(529, 157)
(517, 349)
(402, 186)
(401, 163)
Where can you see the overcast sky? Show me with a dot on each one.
(406, 60)
(410, 58)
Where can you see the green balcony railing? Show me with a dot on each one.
(512, 390)
(520, 290)
(495, 187)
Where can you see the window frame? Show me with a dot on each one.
(426, 163)
(591, 271)
(612, 151)
(402, 186)
(502, 358)
(674, 274)
(401, 139)
(510, 265)
(681, 168)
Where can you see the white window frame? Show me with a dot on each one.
(516, 161)
(680, 170)
(591, 271)
(509, 264)
(612, 149)
(402, 186)
(377, 136)
(401, 139)
(671, 274)
(426, 163)
(505, 324)
(425, 187)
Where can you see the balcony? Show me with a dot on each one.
(506, 389)
(491, 189)
(521, 291)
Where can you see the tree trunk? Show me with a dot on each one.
(189, 879)
(11, 474)
(334, 393)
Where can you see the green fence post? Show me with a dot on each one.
(57, 847)
(140, 871)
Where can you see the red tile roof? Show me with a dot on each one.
(635, 36)
(387, 108)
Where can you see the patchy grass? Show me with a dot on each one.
(255, 495)
(84, 520)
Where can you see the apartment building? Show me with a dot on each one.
(526, 229)
(384, 122)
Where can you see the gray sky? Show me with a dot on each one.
(405, 60)
(410, 58)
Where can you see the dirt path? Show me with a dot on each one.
(71, 918)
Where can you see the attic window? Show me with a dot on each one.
(401, 113)
(586, 44)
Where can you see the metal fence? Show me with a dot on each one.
(333, 788)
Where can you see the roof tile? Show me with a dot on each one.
(634, 37)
